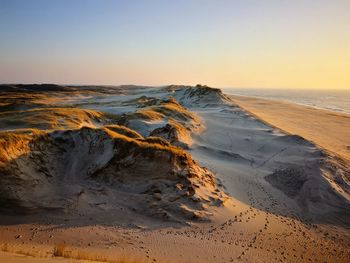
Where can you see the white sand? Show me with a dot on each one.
(328, 129)
(302, 218)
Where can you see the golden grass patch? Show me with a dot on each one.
(50, 118)
(124, 131)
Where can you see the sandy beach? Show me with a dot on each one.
(327, 129)
(287, 199)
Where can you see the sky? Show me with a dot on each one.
(221, 43)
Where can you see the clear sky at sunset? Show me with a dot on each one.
(226, 43)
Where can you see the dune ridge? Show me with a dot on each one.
(131, 178)
(38, 165)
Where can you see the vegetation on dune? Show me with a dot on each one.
(15, 143)
(172, 122)
(168, 108)
(147, 145)
(63, 251)
(157, 140)
(174, 133)
(15, 101)
(50, 118)
(107, 157)
(199, 87)
(124, 131)
(143, 101)
(118, 151)
(200, 95)
(172, 108)
(146, 114)
(33, 87)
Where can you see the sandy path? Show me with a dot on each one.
(327, 129)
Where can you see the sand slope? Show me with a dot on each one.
(283, 205)
(328, 129)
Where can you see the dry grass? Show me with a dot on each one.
(124, 131)
(157, 140)
(32, 252)
(147, 114)
(172, 109)
(13, 144)
(165, 109)
(149, 145)
(60, 250)
(142, 101)
(178, 116)
(50, 118)
(4, 247)
(18, 99)
(175, 133)
(16, 143)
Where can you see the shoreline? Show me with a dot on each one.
(325, 101)
(325, 128)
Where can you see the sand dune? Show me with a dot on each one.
(39, 172)
(238, 190)
(328, 130)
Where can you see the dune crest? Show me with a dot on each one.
(40, 171)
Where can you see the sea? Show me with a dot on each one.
(334, 100)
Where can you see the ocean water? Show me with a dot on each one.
(334, 100)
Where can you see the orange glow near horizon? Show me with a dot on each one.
(260, 44)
